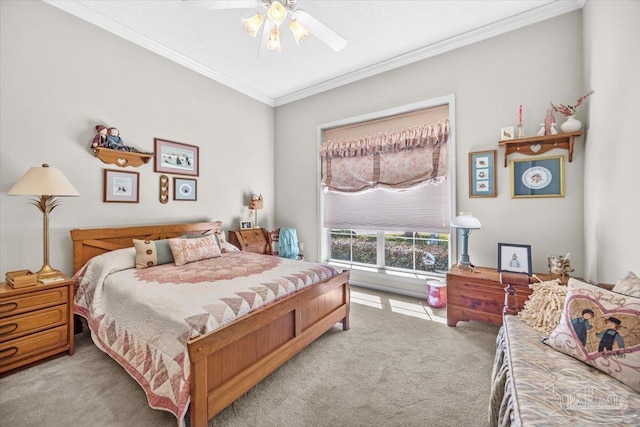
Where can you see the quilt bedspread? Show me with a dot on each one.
(535, 385)
(143, 318)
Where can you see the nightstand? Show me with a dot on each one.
(251, 240)
(36, 323)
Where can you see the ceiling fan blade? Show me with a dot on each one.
(220, 4)
(320, 31)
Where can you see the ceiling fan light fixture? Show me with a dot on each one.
(274, 40)
(253, 24)
(277, 13)
(299, 31)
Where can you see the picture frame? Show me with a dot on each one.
(538, 177)
(514, 258)
(121, 186)
(185, 189)
(482, 173)
(507, 133)
(245, 225)
(176, 158)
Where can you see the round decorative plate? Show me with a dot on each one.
(536, 177)
(185, 189)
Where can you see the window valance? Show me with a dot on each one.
(394, 160)
(418, 136)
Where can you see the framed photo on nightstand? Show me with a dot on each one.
(514, 258)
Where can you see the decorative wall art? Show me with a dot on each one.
(482, 174)
(539, 177)
(164, 189)
(185, 189)
(121, 187)
(176, 158)
(507, 133)
(514, 258)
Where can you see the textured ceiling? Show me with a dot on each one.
(381, 35)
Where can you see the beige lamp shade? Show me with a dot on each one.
(43, 181)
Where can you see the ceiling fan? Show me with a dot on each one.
(301, 23)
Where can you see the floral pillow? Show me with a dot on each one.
(628, 285)
(152, 252)
(602, 329)
(194, 249)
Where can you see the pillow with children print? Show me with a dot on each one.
(602, 329)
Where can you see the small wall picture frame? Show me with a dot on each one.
(514, 258)
(538, 177)
(164, 189)
(176, 158)
(185, 189)
(121, 186)
(482, 174)
(245, 225)
(507, 133)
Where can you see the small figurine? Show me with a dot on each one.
(100, 139)
(114, 142)
(550, 123)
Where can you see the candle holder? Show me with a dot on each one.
(520, 132)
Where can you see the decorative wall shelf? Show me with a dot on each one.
(121, 158)
(539, 144)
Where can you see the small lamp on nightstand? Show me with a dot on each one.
(47, 183)
(465, 222)
(255, 203)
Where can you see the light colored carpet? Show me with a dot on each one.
(398, 365)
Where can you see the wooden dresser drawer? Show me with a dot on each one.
(252, 240)
(15, 351)
(23, 324)
(33, 301)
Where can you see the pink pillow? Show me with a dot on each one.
(191, 250)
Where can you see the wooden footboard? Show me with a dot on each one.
(229, 361)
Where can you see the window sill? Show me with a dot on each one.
(411, 284)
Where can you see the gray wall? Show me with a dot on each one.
(531, 66)
(60, 76)
(612, 181)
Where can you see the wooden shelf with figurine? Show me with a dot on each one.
(108, 147)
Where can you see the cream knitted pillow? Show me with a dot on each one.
(543, 309)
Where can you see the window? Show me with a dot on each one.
(385, 172)
(403, 251)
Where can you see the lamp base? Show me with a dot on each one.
(46, 272)
(465, 266)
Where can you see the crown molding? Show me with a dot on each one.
(541, 13)
(84, 12)
(547, 11)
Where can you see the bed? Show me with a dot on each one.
(221, 359)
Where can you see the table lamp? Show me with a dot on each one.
(256, 202)
(47, 183)
(465, 222)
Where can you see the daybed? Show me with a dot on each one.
(534, 384)
(185, 348)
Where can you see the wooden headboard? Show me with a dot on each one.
(90, 242)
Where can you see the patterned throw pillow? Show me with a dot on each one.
(602, 329)
(191, 250)
(543, 308)
(152, 252)
(628, 285)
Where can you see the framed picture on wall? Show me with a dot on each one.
(514, 258)
(482, 174)
(121, 187)
(185, 189)
(176, 158)
(538, 177)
